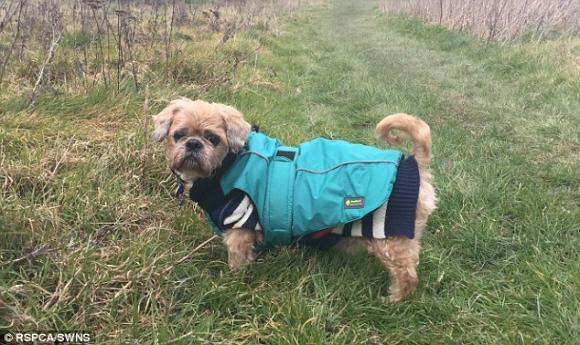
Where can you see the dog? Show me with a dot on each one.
(203, 140)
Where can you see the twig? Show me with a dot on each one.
(129, 43)
(99, 48)
(168, 47)
(16, 35)
(146, 136)
(119, 47)
(30, 256)
(53, 45)
(190, 254)
(186, 335)
(7, 15)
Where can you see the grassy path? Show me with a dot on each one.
(500, 262)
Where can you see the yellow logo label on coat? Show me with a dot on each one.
(354, 202)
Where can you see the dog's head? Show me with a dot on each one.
(198, 135)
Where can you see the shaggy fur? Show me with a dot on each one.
(218, 129)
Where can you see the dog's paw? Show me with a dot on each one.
(240, 246)
(237, 260)
(391, 299)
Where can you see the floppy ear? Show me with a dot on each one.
(237, 128)
(162, 121)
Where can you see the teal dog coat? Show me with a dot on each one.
(320, 187)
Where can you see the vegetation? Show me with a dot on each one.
(73, 46)
(496, 20)
(91, 237)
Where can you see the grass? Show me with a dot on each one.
(91, 236)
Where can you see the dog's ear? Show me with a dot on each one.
(162, 121)
(237, 128)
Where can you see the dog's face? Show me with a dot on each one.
(198, 135)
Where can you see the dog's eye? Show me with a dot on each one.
(178, 135)
(213, 139)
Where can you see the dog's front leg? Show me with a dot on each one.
(240, 246)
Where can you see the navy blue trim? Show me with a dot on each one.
(402, 204)
(367, 225)
(346, 231)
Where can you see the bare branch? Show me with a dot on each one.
(55, 39)
(16, 36)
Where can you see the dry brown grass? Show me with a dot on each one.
(497, 20)
(74, 45)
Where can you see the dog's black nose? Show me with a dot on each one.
(193, 145)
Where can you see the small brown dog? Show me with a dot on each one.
(200, 136)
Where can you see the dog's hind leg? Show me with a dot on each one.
(400, 256)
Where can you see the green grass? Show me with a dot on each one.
(83, 180)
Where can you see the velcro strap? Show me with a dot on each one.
(279, 203)
(288, 154)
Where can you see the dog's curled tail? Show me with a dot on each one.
(415, 127)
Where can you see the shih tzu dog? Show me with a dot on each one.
(257, 192)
